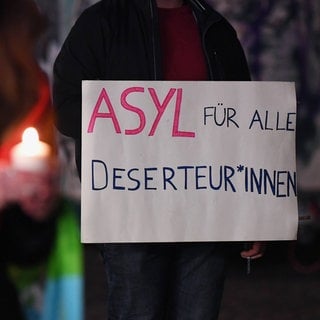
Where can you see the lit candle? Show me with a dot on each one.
(30, 154)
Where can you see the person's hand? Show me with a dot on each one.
(254, 251)
(6, 194)
(37, 192)
(3, 198)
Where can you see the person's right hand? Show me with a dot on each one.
(36, 192)
(6, 194)
(255, 251)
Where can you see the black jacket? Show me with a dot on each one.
(119, 40)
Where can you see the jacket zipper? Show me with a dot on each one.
(153, 39)
(211, 76)
(219, 69)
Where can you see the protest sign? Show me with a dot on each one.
(173, 161)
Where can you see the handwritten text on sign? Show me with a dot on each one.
(188, 161)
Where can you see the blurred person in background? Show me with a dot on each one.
(32, 212)
(27, 199)
(24, 88)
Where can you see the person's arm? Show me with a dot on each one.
(80, 58)
(229, 55)
(238, 70)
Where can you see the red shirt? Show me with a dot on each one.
(182, 53)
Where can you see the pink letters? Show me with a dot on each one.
(96, 114)
(161, 107)
(175, 127)
(129, 107)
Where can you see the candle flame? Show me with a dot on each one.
(30, 154)
(30, 135)
(30, 141)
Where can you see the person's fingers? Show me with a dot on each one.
(256, 251)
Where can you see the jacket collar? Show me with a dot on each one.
(201, 8)
(205, 12)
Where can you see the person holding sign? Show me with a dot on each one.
(152, 40)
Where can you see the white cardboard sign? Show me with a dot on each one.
(166, 161)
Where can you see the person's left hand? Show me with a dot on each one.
(37, 192)
(256, 250)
